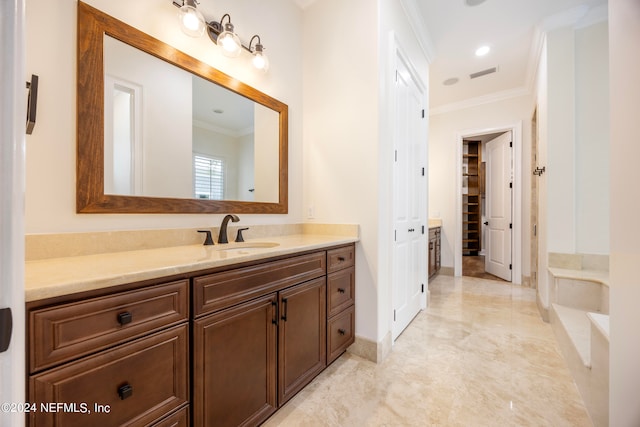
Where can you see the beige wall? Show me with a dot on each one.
(443, 158)
(347, 146)
(624, 68)
(51, 53)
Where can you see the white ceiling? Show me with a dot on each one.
(512, 28)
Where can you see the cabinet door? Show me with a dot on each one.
(302, 336)
(235, 365)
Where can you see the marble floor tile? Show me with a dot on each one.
(479, 355)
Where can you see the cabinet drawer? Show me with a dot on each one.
(340, 258)
(64, 332)
(341, 290)
(340, 333)
(138, 383)
(179, 419)
(221, 290)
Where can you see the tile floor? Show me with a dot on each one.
(478, 356)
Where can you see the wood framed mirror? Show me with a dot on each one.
(94, 28)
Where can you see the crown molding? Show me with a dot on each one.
(480, 100)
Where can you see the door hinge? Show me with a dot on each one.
(422, 287)
(511, 225)
(423, 113)
(511, 185)
(396, 155)
(423, 229)
(394, 315)
(395, 235)
(510, 267)
(511, 144)
(422, 171)
(535, 229)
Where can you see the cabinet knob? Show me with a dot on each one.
(125, 391)
(341, 290)
(125, 317)
(342, 331)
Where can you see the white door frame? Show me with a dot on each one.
(516, 242)
(12, 186)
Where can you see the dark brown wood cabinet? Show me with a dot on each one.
(226, 348)
(302, 338)
(120, 359)
(434, 250)
(235, 364)
(341, 282)
(251, 358)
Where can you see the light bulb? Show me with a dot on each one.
(260, 60)
(191, 21)
(229, 42)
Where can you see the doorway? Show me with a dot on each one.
(497, 253)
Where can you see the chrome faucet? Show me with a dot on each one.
(222, 236)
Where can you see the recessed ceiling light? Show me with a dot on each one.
(474, 2)
(451, 81)
(482, 50)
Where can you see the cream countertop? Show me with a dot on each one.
(435, 223)
(62, 276)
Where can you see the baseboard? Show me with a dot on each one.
(544, 312)
(371, 350)
(446, 271)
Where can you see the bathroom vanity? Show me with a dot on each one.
(435, 243)
(225, 340)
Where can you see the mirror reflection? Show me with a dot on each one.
(170, 133)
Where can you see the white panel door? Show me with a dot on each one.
(498, 207)
(409, 202)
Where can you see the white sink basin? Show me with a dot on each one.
(245, 246)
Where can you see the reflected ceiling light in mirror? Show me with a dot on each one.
(191, 20)
(482, 50)
(259, 60)
(222, 34)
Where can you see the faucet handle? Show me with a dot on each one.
(208, 240)
(239, 237)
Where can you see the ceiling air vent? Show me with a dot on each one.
(483, 73)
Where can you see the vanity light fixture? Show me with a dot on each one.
(259, 60)
(191, 20)
(193, 24)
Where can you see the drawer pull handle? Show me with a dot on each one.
(341, 258)
(125, 391)
(284, 309)
(342, 331)
(125, 317)
(341, 290)
(275, 310)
